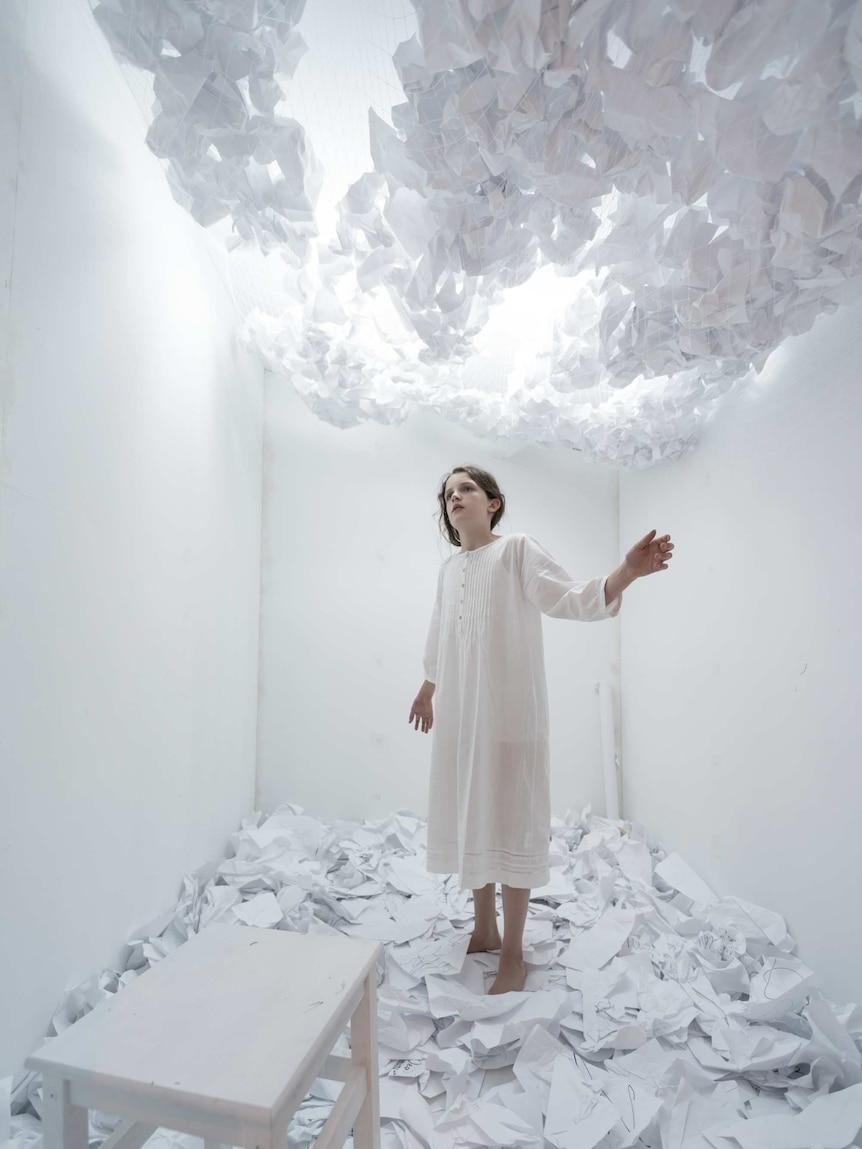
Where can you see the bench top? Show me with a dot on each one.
(232, 1018)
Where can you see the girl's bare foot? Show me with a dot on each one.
(481, 943)
(511, 975)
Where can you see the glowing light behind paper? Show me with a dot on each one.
(580, 223)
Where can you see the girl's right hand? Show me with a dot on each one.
(422, 712)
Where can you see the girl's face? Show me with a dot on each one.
(466, 502)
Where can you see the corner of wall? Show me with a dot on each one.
(618, 676)
(262, 554)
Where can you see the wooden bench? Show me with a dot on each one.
(223, 1039)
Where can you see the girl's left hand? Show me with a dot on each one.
(649, 555)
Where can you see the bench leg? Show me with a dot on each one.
(363, 1054)
(66, 1126)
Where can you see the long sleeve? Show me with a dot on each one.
(554, 592)
(432, 643)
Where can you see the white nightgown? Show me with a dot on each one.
(489, 813)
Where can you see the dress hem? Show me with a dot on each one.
(473, 876)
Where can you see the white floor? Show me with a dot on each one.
(655, 1014)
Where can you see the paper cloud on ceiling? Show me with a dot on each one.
(694, 167)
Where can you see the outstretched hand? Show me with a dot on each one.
(649, 555)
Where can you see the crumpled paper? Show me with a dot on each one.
(218, 67)
(699, 170)
(655, 1014)
(693, 167)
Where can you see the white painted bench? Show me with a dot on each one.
(223, 1039)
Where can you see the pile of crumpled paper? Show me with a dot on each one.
(655, 1014)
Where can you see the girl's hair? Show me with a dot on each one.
(482, 479)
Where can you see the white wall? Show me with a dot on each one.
(741, 668)
(130, 541)
(350, 560)
(129, 525)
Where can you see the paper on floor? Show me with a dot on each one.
(656, 1014)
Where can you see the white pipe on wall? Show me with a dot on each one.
(605, 691)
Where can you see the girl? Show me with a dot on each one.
(489, 807)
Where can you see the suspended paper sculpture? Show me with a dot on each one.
(688, 173)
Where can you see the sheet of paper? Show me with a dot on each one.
(596, 946)
(678, 874)
(830, 1122)
(577, 1117)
